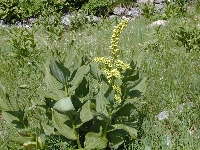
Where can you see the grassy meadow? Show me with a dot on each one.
(172, 72)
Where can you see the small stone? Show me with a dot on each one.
(112, 17)
(66, 20)
(158, 23)
(163, 115)
(159, 7)
(145, 1)
(96, 19)
(159, 1)
(134, 12)
(119, 11)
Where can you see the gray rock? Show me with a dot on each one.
(119, 11)
(145, 1)
(158, 23)
(134, 12)
(112, 17)
(31, 20)
(163, 115)
(159, 1)
(96, 19)
(159, 7)
(66, 20)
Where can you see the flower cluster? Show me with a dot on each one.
(115, 38)
(122, 65)
(112, 66)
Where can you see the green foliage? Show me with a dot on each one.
(50, 21)
(12, 10)
(96, 7)
(23, 41)
(175, 9)
(148, 9)
(78, 21)
(188, 35)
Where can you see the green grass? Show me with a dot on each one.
(173, 78)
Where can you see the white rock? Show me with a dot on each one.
(158, 23)
(163, 115)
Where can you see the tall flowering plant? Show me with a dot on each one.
(112, 66)
(90, 120)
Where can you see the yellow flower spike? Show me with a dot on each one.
(112, 66)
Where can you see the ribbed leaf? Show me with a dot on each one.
(48, 130)
(132, 131)
(139, 57)
(21, 140)
(53, 84)
(101, 101)
(83, 89)
(87, 111)
(95, 71)
(125, 110)
(116, 138)
(12, 117)
(59, 71)
(4, 106)
(2, 88)
(95, 141)
(64, 105)
(62, 124)
(81, 72)
(139, 86)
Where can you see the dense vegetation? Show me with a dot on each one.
(99, 85)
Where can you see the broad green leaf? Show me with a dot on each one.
(12, 117)
(125, 110)
(139, 86)
(139, 57)
(4, 106)
(95, 71)
(48, 130)
(64, 105)
(45, 94)
(81, 72)
(58, 70)
(134, 93)
(130, 74)
(2, 88)
(101, 102)
(101, 116)
(77, 62)
(132, 131)
(21, 140)
(83, 89)
(63, 124)
(95, 141)
(116, 138)
(87, 111)
(53, 84)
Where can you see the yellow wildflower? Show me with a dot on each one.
(117, 89)
(122, 65)
(117, 98)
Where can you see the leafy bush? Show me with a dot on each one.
(96, 7)
(24, 9)
(188, 35)
(147, 9)
(174, 9)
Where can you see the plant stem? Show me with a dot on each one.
(77, 136)
(66, 90)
